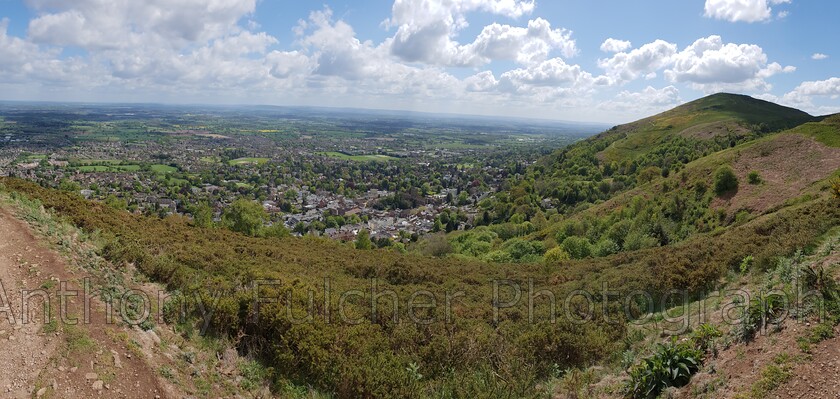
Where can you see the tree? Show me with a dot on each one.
(363, 240)
(725, 181)
(246, 217)
(202, 215)
(835, 187)
(577, 247)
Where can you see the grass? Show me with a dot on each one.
(828, 134)
(163, 169)
(358, 158)
(248, 161)
(726, 108)
(77, 339)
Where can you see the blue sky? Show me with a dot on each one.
(496, 57)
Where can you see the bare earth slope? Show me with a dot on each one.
(54, 360)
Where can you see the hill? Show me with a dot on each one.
(706, 118)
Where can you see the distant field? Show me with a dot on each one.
(244, 161)
(358, 158)
(163, 169)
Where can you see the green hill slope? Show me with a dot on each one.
(575, 203)
(707, 118)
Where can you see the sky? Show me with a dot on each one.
(607, 61)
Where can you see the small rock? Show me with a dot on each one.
(117, 362)
(98, 385)
(91, 376)
(73, 369)
(41, 392)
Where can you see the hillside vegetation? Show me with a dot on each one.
(577, 204)
(649, 206)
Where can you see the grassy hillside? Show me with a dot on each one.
(704, 119)
(574, 204)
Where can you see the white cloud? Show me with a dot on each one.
(649, 100)
(615, 46)
(711, 65)
(426, 31)
(819, 56)
(96, 24)
(643, 61)
(742, 10)
(524, 45)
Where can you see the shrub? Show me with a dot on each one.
(671, 365)
(704, 337)
(577, 247)
(725, 181)
(754, 178)
(556, 255)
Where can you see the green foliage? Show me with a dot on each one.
(671, 365)
(202, 215)
(725, 181)
(759, 314)
(705, 335)
(370, 359)
(577, 247)
(246, 217)
(746, 264)
(754, 178)
(363, 240)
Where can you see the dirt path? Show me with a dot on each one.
(58, 360)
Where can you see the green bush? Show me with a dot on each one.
(671, 365)
(725, 181)
(754, 178)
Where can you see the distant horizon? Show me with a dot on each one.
(392, 112)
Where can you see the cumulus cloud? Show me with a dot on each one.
(426, 31)
(819, 56)
(615, 46)
(743, 10)
(123, 24)
(712, 65)
(524, 45)
(645, 60)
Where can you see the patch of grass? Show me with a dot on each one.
(825, 133)
(248, 161)
(358, 158)
(167, 373)
(772, 377)
(50, 328)
(78, 339)
(163, 169)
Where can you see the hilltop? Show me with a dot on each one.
(728, 115)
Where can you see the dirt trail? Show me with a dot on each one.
(58, 360)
